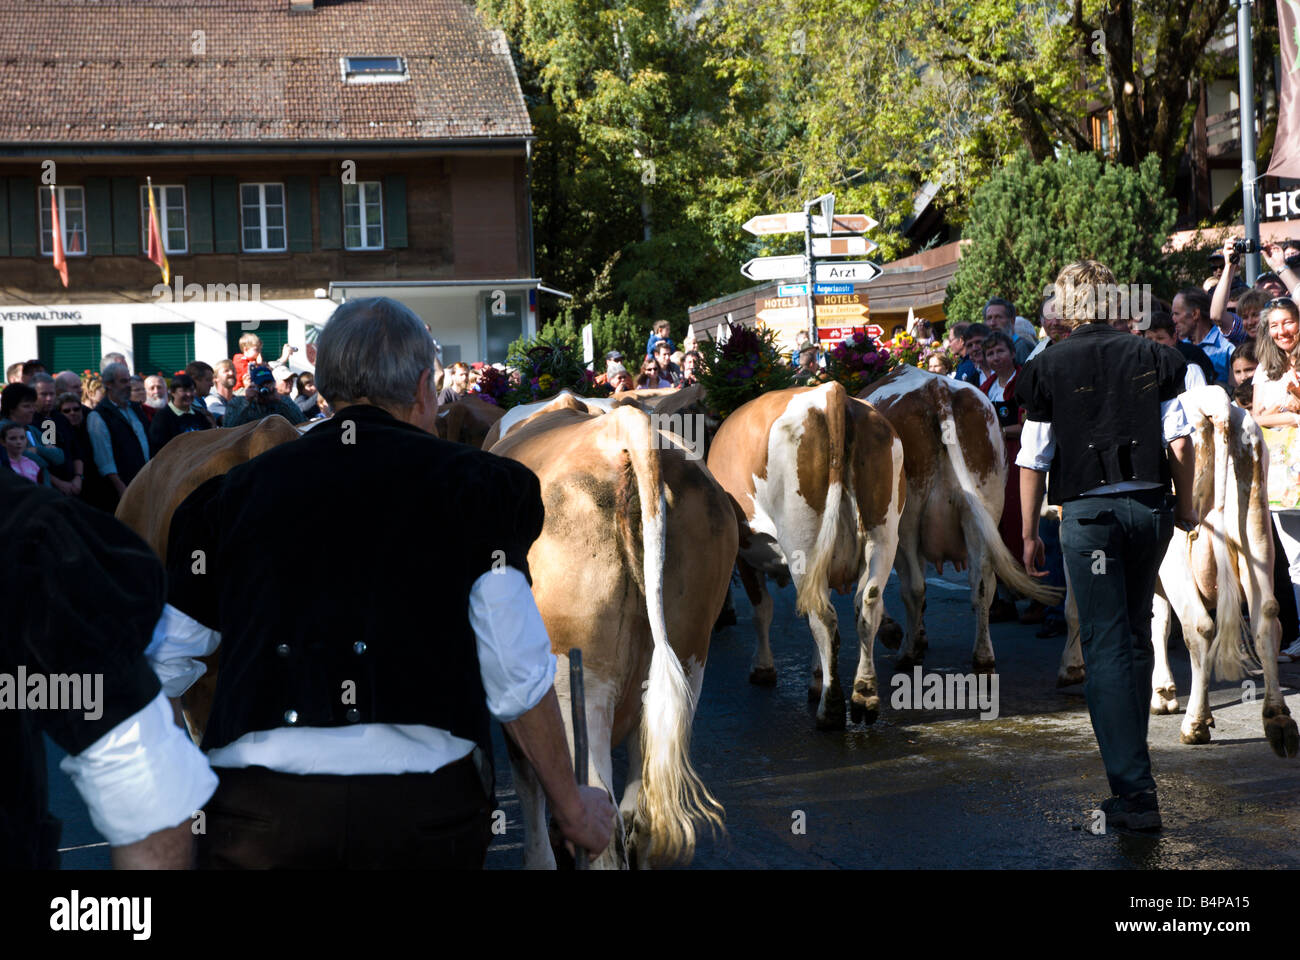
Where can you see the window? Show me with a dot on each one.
(374, 69)
(170, 201)
(72, 221)
(363, 222)
(1103, 132)
(262, 210)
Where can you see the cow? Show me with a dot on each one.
(630, 568)
(178, 470)
(468, 420)
(955, 460)
(817, 478)
(645, 400)
(1205, 574)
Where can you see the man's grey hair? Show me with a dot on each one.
(111, 369)
(374, 348)
(36, 378)
(1001, 302)
(112, 358)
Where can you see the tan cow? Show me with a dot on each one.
(630, 568)
(956, 467)
(818, 478)
(178, 470)
(468, 420)
(1204, 575)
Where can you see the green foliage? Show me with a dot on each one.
(543, 368)
(747, 365)
(1032, 219)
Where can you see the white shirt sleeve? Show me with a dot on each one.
(1037, 446)
(1195, 377)
(177, 641)
(143, 776)
(514, 651)
(1174, 420)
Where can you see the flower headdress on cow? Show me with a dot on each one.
(747, 364)
(857, 361)
(543, 368)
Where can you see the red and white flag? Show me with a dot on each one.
(60, 261)
(156, 252)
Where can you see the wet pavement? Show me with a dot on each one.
(930, 788)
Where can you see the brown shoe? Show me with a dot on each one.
(1034, 613)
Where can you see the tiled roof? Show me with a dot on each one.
(79, 71)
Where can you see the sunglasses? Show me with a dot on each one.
(1280, 302)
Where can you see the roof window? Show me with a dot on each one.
(374, 69)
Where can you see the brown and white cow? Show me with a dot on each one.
(818, 478)
(468, 420)
(1204, 575)
(177, 471)
(956, 465)
(630, 568)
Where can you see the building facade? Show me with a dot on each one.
(300, 153)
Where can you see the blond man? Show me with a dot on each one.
(1102, 412)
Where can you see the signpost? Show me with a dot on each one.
(775, 268)
(832, 282)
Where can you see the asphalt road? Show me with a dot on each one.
(930, 788)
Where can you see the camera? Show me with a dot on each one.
(265, 392)
(1246, 246)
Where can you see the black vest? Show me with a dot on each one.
(1101, 390)
(383, 636)
(127, 455)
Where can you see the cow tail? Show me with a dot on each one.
(812, 593)
(1228, 658)
(672, 795)
(985, 525)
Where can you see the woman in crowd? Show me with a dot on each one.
(92, 391)
(1276, 404)
(651, 376)
(306, 398)
(1000, 387)
(14, 437)
(690, 368)
(178, 416)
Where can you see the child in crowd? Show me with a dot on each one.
(14, 437)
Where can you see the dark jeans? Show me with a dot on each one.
(260, 819)
(1113, 546)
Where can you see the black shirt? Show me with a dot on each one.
(167, 424)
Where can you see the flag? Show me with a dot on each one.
(911, 322)
(1286, 143)
(60, 261)
(156, 252)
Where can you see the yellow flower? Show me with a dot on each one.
(545, 381)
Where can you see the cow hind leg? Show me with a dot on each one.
(762, 671)
(983, 585)
(1071, 670)
(1279, 728)
(911, 584)
(869, 602)
(1198, 632)
(830, 706)
(1164, 693)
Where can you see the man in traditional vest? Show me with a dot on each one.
(350, 729)
(1102, 412)
(117, 437)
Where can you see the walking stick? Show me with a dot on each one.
(578, 709)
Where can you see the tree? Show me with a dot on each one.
(1031, 219)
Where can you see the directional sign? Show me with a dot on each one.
(824, 288)
(842, 246)
(844, 223)
(836, 334)
(797, 290)
(776, 268)
(779, 316)
(777, 223)
(842, 311)
(875, 330)
(851, 271)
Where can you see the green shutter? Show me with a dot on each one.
(199, 191)
(24, 227)
(331, 213)
(225, 214)
(297, 190)
(99, 216)
(69, 348)
(395, 210)
(274, 334)
(4, 218)
(126, 216)
(162, 347)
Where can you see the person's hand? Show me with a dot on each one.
(75, 487)
(62, 486)
(1034, 557)
(1186, 517)
(1273, 255)
(590, 824)
(1229, 251)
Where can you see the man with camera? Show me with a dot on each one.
(260, 400)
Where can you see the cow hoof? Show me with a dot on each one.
(1070, 676)
(890, 634)
(1164, 700)
(814, 693)
(1199, 733)
(763, 676)
(907, 662)
(864, 709)
(984, 666)
(1282, 735)
(831, 715)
